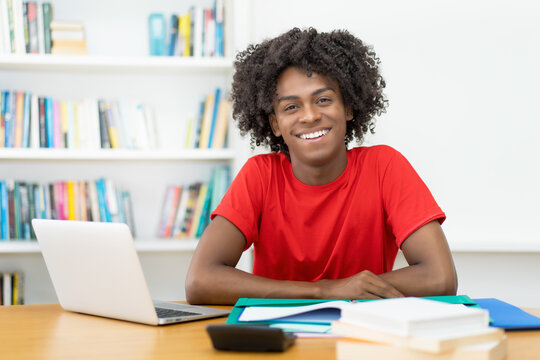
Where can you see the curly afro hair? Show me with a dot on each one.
(337, 54)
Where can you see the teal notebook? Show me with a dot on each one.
(317, 321)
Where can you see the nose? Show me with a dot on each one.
(310, 114)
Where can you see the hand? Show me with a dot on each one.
(364, 285)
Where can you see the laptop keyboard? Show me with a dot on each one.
(168, 313)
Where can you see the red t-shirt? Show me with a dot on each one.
(307, 233)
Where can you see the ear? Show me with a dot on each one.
(274, 125)
(349, 113)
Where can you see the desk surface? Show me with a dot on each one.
(48, 332)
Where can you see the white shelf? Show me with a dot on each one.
(146, 64)
(144, 245)
(114, 154)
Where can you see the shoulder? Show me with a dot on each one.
(265, 163)
(376, 153)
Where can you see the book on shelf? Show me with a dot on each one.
(25, 27)
(209, 129)
(351, 349)
(186, 208)
(68, 38)
(201, 31)
(20, 202)
(32, 121)
(11, 288)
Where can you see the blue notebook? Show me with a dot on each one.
(507, 316)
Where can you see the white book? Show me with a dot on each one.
(181, 212)
(436, 343)
(6, 293)
(125, 132)
(415, 316)
(18, 27)
(353, 350)
(34, 122)
(92, 113)
(151, 128)
(41, 36)
(112, 202)
(5, 40)
(198, 23)
(141, 137)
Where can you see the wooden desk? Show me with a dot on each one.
(48, 332)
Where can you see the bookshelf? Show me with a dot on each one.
(118, 69)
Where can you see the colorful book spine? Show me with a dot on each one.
(25, 138)
(4, 212)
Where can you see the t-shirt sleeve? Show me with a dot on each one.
(242, 202)
(408, 203)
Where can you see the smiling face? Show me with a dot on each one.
(310, 116)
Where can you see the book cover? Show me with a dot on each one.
(71, 131)
(151, 128)
(198, 126)
(199, 205)
(5, 40)
(3, 99)
(17, 211)
(190, 209)
(40, 34)
(82, 201)
(103, 125)
(64, 123)
(42, 123)
(34, 122)
(205, 214)
(11, 26)
(415, 317)
(8, 105)
(209, 37)
(217, 99)
(7, 288)
(25, 27)
(71, 200)
(180, 213)
(25, 138)
(197, 19)
(47, 18)
(157, 34)
(222, 122)
(76, 129)
(4, 211)
(102, 202)
(206, 121)
(220, 18)
(49, 122)
(185, 33)
(18, 26)
(128, 208)
(350, 349)
(25, 211)
(10, 185)
(19, 118)
(174, 203)
(57, 125)
(33, 47)
(94, 201)
(433, 344)
(31, 209)
(111, 201)
(141, 134)
(173, 34)
(51, 192)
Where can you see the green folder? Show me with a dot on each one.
(317, 327)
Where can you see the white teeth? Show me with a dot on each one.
(314, 135)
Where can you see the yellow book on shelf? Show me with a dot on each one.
(64, 123)
(15, 291)
(206, 121)
(71, 200)
(184, 28)
(220, 132)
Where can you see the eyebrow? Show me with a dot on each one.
(316, 92)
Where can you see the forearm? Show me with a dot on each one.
(223, 284)
(423, 280)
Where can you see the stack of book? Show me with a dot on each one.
(99, 200)
(413, 328)
(186, 208)
(31, 121)
(198, 32)
(11, 288)
(68, 38)
(209, 129)
(25, 27)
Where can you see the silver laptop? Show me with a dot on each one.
(95, 270)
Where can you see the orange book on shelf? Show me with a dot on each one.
(19, 118)
(206, 125)
(220, 133)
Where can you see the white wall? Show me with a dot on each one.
(462, 82)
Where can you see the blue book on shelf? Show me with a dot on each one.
(8, 118)
(173, 34)
(157, 34)
(214, 116)
(49, 121)
(4, 213)
(103, 210)
(26, 121)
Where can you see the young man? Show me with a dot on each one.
(325, 222)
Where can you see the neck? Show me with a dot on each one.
(316, 175)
